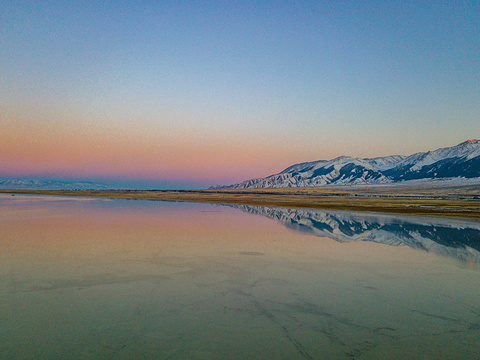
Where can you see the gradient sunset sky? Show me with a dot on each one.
(189, 94)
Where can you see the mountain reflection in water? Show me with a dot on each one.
(445, 236)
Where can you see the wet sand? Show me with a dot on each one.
(438, 201)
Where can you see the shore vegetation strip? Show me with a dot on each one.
(456, 202)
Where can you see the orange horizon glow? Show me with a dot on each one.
(65, 148)
(77, 145)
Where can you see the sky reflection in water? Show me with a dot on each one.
(89, 278)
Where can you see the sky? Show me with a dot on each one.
(189, 94)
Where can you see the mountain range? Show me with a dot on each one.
(15, 183)
(461, 161)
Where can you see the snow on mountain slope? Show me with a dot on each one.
(385, 163)
(304, 166)
(461, 161)
(468, 149)
(342, 170)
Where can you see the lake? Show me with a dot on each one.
(88, 278)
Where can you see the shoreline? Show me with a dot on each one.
(432, 202)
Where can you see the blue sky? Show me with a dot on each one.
(201, 92)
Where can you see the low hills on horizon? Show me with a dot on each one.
(41, 184)
(457, 163)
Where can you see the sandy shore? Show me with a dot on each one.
(458, 202)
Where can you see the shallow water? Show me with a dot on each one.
(118, 279)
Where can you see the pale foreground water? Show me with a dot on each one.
(118, 279)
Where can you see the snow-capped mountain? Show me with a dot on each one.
(461, 161)
(455, 238)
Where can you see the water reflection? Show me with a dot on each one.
(113, 279)
(446, 236)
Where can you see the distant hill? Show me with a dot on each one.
(7, 183)
(461, 162)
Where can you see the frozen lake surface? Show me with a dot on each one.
(118, 279)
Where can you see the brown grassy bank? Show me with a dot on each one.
(441, 202)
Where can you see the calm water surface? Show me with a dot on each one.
(118, 279)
